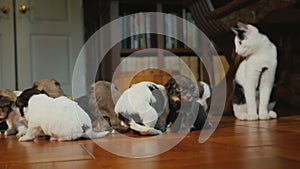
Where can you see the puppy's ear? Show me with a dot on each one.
(55, 82)
(26, 95)
(35, 85)
(152, 87)
(201, 90)
(169, 84)
(5, 101)
(44, 92)
(21, 102)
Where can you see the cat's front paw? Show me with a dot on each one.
(252, 117)
(25, 138)
(272, 114)
(241, 115)
(264, 116)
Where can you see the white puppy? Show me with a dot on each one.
(136, 107)
(60, 118)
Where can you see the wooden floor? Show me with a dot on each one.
(237, 144)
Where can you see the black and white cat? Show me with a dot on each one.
(254, 80)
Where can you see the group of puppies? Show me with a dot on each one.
(148, 108)
(145, 108)
(16, 123)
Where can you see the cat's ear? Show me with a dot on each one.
(242, 26)
(235, 30)
(251, 29)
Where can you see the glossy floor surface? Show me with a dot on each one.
(273, 144)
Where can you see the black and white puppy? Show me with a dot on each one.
(187, 104)
(61, 118)
(22, 100)
(142, 107)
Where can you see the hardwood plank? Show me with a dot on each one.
(234, 144)
(90, 164)
(285, 151)
(40, 151)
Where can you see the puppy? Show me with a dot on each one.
(16, 123)
(138, 107)
(22, 100)
(100, 104)
(187, 105)
(204, 94)
(51, 86)
(60, 118)
(8, 115)
(7, 98)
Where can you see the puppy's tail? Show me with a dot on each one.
(90, 134)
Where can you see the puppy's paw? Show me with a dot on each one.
(53, 138)
(12, 131)
(252, 116)
(101, 134)
(158, 132)
(21, 132)
(151, 132)
(25, 138)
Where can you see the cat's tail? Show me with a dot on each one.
(90, 134)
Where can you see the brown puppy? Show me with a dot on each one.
(100, 103)
(50, 86)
